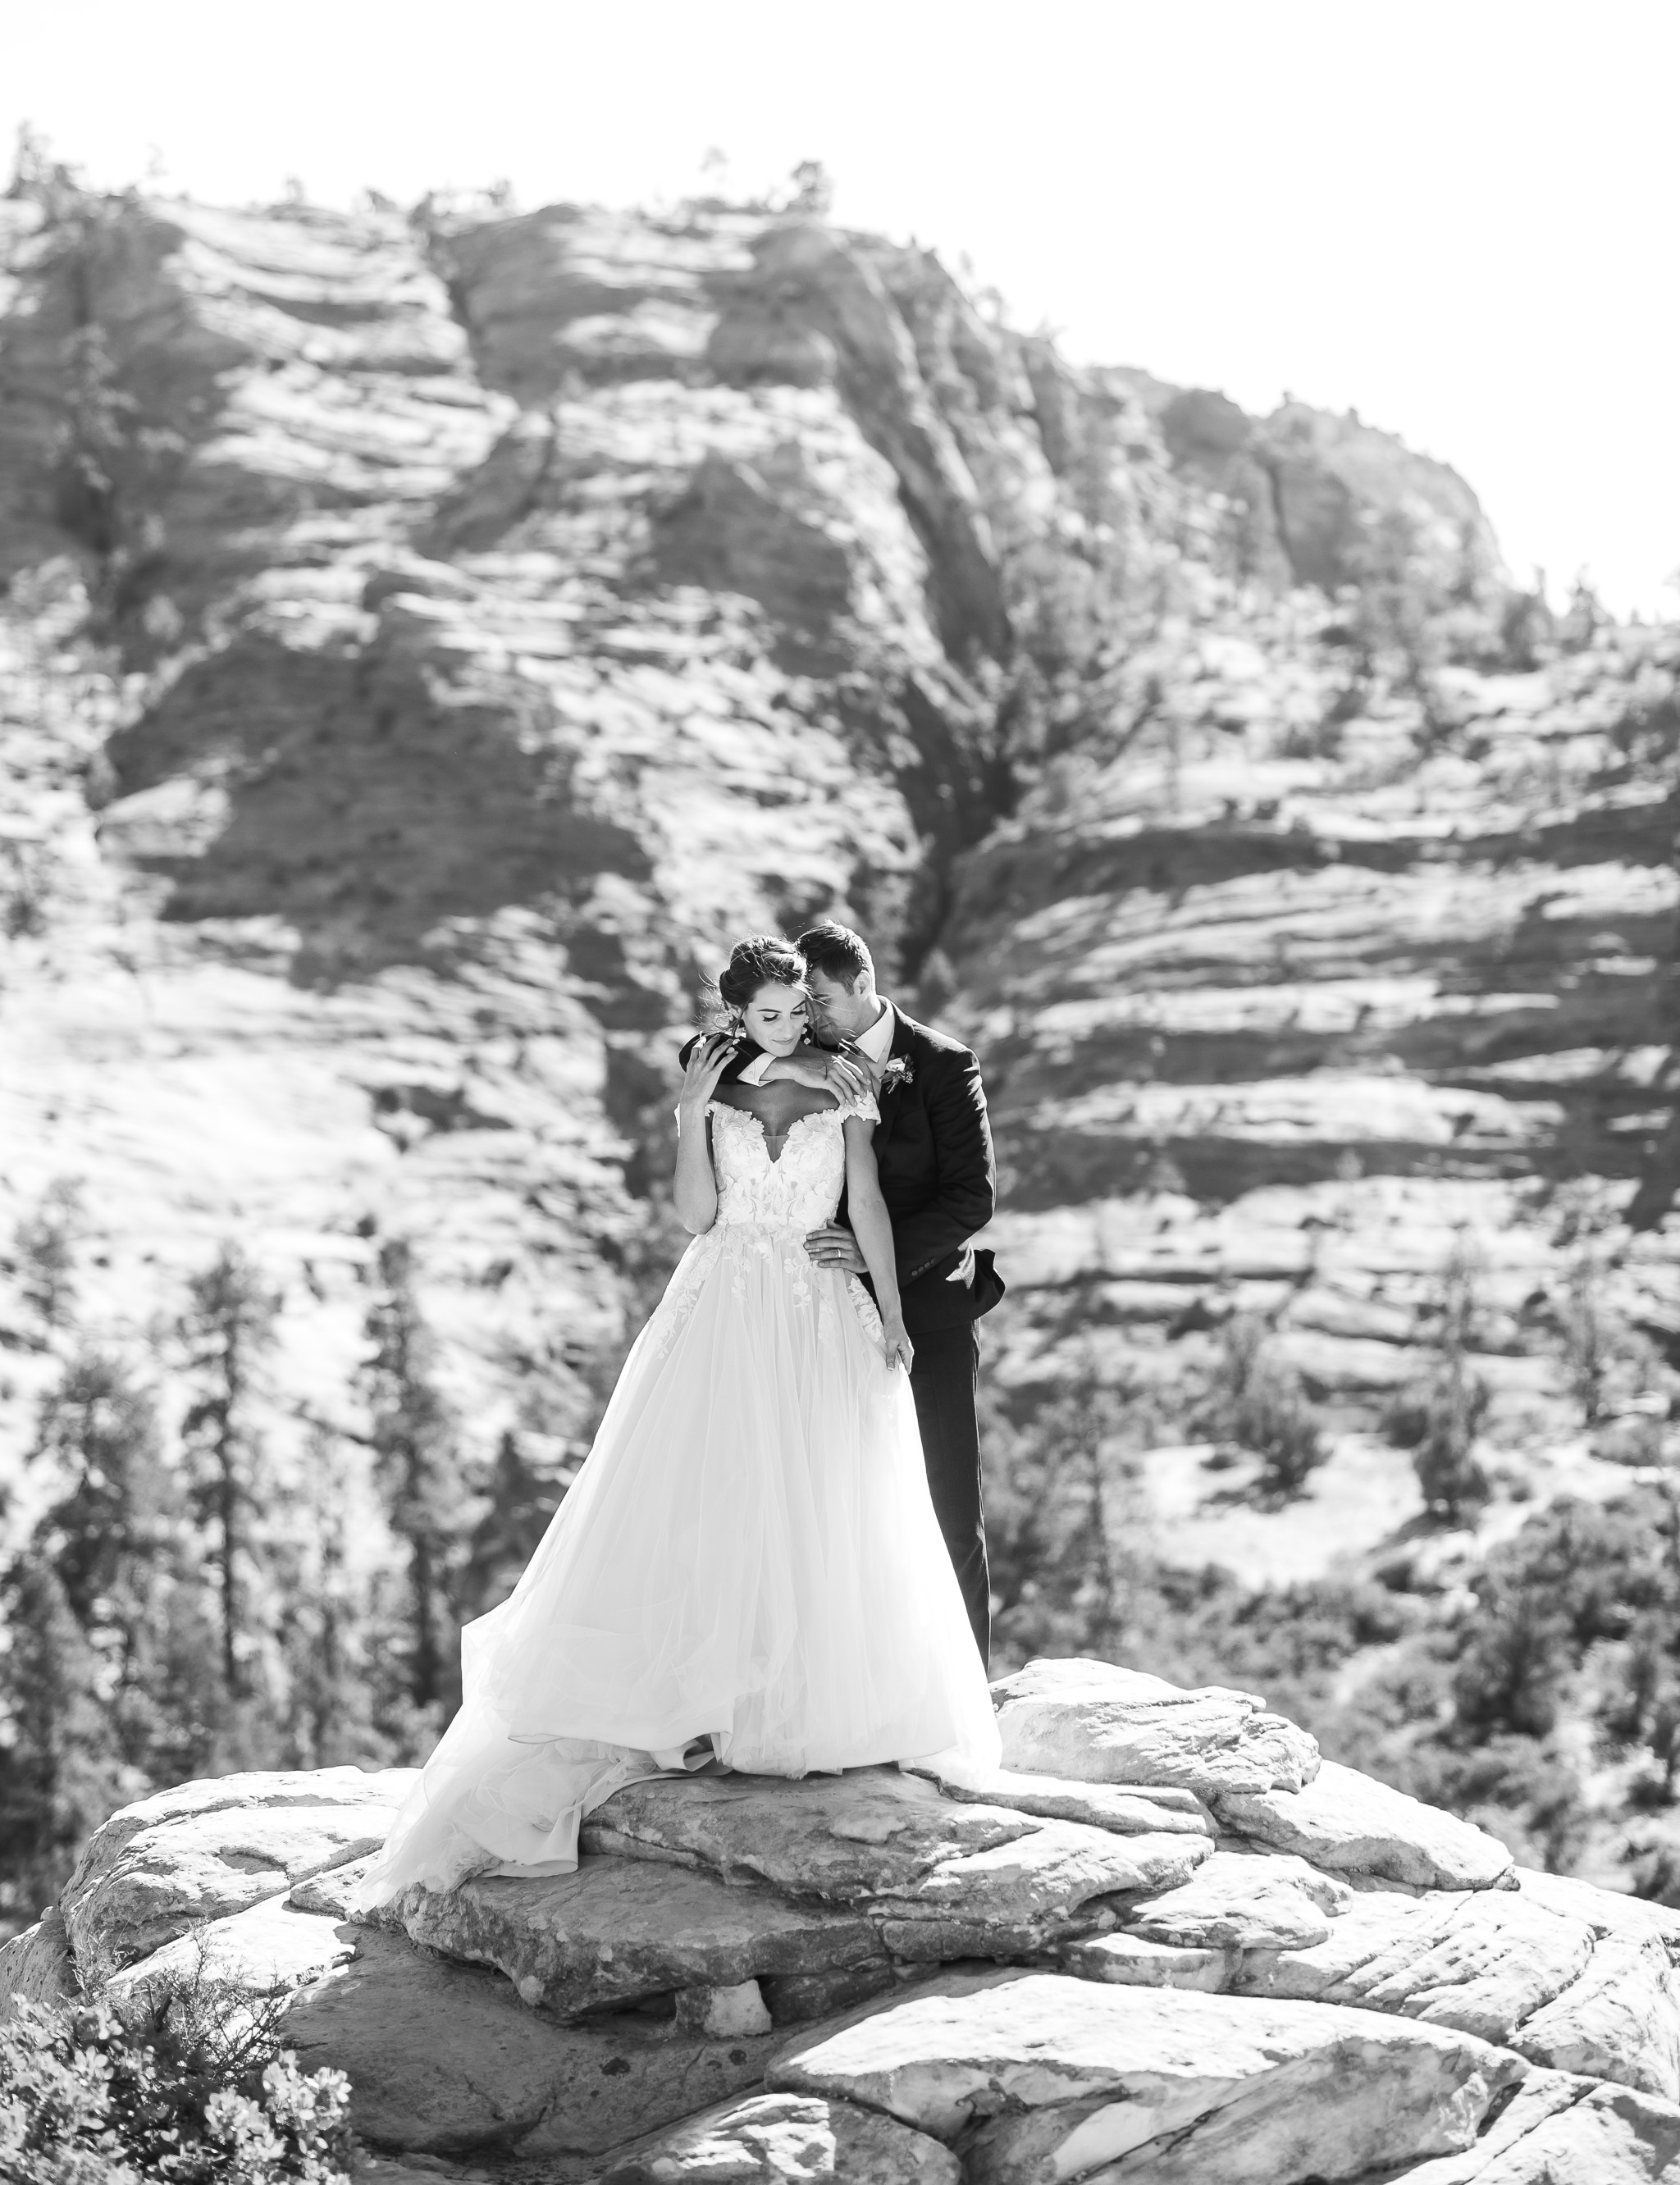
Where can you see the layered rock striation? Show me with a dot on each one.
(1315, 1979)
(428, 640)
(1281, 1011)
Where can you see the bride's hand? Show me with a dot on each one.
(897, 1346)
(708, 1059)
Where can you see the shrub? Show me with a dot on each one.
(1609, 1363)
(1438, 1420)
(1575, 1575)
(1060, 1489)
(1439, 1417)
(1261, 1404)
(1645, 1704)
(197, 2095)
(1654, 1870)
(1525, 1791)
(1397, 618)
(1294, 1643)
(1589, 1337)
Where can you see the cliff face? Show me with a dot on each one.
(482, 660)
(429, 642)
(1281, 1006)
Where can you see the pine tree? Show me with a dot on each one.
(45, 1244)
(227, 1327)
(522, 1497)
(99, 1431)
(88, 1681)
(415, 1462)
(323, 1626)
(812, 190)
(117, 1544)
(60, 1771)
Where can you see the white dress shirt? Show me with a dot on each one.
(876, 1044)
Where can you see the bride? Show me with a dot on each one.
(748, 1572)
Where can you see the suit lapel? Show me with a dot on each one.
(891, 1096)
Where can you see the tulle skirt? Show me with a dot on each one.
(746, 1572)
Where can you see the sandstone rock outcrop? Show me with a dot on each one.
(495, 612)
(1126, 1728)
(937, 1878)
(622, 1930)
(862, 1976)
(790, 2136)
(1281, 1008)
(467, 623)
(37, 1963)
(1345, 1821)
(1038, 2075)
(212, 1849)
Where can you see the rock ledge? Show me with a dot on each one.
(1165, 1946)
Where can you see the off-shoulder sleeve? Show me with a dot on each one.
(863, 1107)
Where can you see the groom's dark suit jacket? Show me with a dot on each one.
(933, 1150)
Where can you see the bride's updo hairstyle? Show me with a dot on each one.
(764, 960)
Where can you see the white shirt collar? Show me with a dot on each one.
(876, 1043)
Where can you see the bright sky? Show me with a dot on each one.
(1456, 217)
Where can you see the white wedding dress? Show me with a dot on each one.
(747, 1569)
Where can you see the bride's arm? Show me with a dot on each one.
(874, 1233)
(696, 1188)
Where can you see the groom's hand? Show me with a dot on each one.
(834, 1245)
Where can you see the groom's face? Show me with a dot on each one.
(840, 1012)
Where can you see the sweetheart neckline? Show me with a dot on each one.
(765, 1135)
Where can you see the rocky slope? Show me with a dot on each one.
(496, 624)
(1165, 1942)
(1279, 1018)
(427, 640)
(499, 616)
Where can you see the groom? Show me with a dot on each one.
(933, 1148)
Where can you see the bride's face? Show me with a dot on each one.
(775, 1018)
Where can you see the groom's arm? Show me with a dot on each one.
(967, 1190)
(831, 1070)
(736, 1067)
(825, 1070)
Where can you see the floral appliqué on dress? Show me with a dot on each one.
(766, 1208)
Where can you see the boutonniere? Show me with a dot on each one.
(898, 1071)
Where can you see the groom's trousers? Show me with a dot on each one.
(945, 1382)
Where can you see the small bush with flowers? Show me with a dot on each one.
(193, 2088)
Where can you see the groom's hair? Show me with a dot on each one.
(837, 952)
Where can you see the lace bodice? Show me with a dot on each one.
(765, 1209)
(801, 1190)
